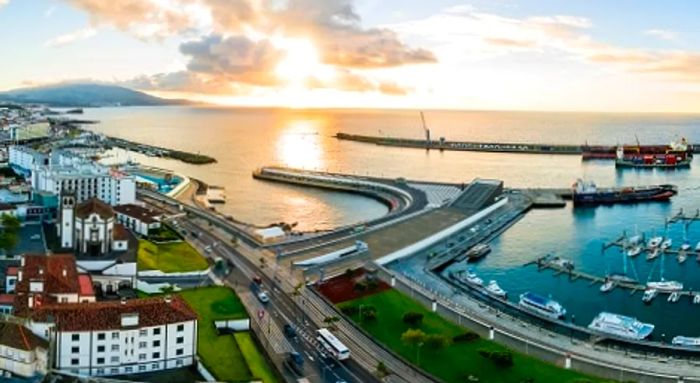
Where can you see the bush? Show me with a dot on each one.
(369, 315)
(499, 358)
(413, 319)
(437, 341)
(466, 337)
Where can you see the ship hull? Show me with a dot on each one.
(657, 193)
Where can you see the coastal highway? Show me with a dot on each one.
(365, 352)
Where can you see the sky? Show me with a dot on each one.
(574, 55)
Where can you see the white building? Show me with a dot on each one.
(120, 337)
(22, 353)
(65, 171)
(138, 218)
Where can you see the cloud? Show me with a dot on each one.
(510, 43)
(181, 81)
(350, 81)
(661, 34)
(235, 58)
(69, 38)
(144, 18)
(4, 2)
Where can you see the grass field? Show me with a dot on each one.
(228, 357)
(456, 362)
(176, 257)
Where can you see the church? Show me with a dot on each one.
(102, 246)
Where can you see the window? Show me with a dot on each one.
(156, 343)
(180, 327)
(142, 356)
(100, 348)
(143, 332)
(154, 366)
(142, 367)
(100, 360)
(179, 351)
(115, 347)
(114, 371)
(100, 371)
(156, 331)
(114, 359)
(129, 369)
(180, 340)
(75, 337)
(115, 335)
(178, 362)
(75, 349)
(74, 361)
(156, 355)
(142, 344)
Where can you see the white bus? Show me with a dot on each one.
(337, 349)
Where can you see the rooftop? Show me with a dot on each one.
(18, 337)
(94, 206)
(138, 212)
(104, 316)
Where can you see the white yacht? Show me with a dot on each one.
(696, 299)
(653, 254)
(495, 290)
(697, 247)
(674, 297)
(685, 341)
(634, 251)
(665, 286)
(685, 246)
(666, 244)
(682, 257)
(473, 279)
(607, 286)
(620, 326)
(541, 305)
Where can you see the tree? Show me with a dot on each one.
(437, 341)
(9, 237)
(413, 319)
(330, 321)
(416, 338)
(382, 371)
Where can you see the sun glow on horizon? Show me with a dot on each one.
(302, 62)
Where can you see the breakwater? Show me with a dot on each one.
(606, 151)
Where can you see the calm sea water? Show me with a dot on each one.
(244, 139)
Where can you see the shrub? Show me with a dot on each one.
(466, 337)
(412, 318)
(499, 358)
(350, 310)
(369, 315)
(437, 341)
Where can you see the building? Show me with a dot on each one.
(47, 279)
(137, 218)
(90, 227)
(102, 246)
(120, 337)
(62, 170)
(22, 353)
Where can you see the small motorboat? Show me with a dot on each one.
(472, 279)
(495, 290)
(697, 247)
(649, 295)
(685, 246)
(685, 341)
(666, 244)
(665, 286)
(607, 286)
(674, 297)
(696, 299)
(682, 256)
(653, 254)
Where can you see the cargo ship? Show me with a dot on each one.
(587, 193)
(675, 155)
(607, 152)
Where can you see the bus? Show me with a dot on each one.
(337, 349)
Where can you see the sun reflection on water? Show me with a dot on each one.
(299, 145)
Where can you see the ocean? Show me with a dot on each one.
(244, 139)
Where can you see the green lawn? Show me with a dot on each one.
(458, 360)
(170, 257)
(228, 357)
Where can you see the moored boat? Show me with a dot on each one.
(587, 193)
(682, 256)
(620, 326)
(541, 305)
(477, 252)
(674, 297)
(495, 290)
(634, 251)
(675, 155)
(696, 299)
(649, 295)
(666, 244)
(653, 254)
(607, 286)
(654, 242)
(685, 341)
(665, 286)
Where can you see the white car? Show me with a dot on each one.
(263, 297)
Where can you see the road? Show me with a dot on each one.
(365, 352)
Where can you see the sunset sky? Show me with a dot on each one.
(588, 55)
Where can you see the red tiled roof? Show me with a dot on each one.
(138, 212)
(94, 205)
(85, 284)
(7, 299)
(12, 270)
(104, 316)
(18, 337)
(119, 233)
(50, 269)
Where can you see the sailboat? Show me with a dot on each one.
(663, 285)
(613, 279)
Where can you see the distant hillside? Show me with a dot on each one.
(84, 95)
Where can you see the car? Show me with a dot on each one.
(207, 249)
(290, 331)
(263, 297)
(257, 280)
(35, 237)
